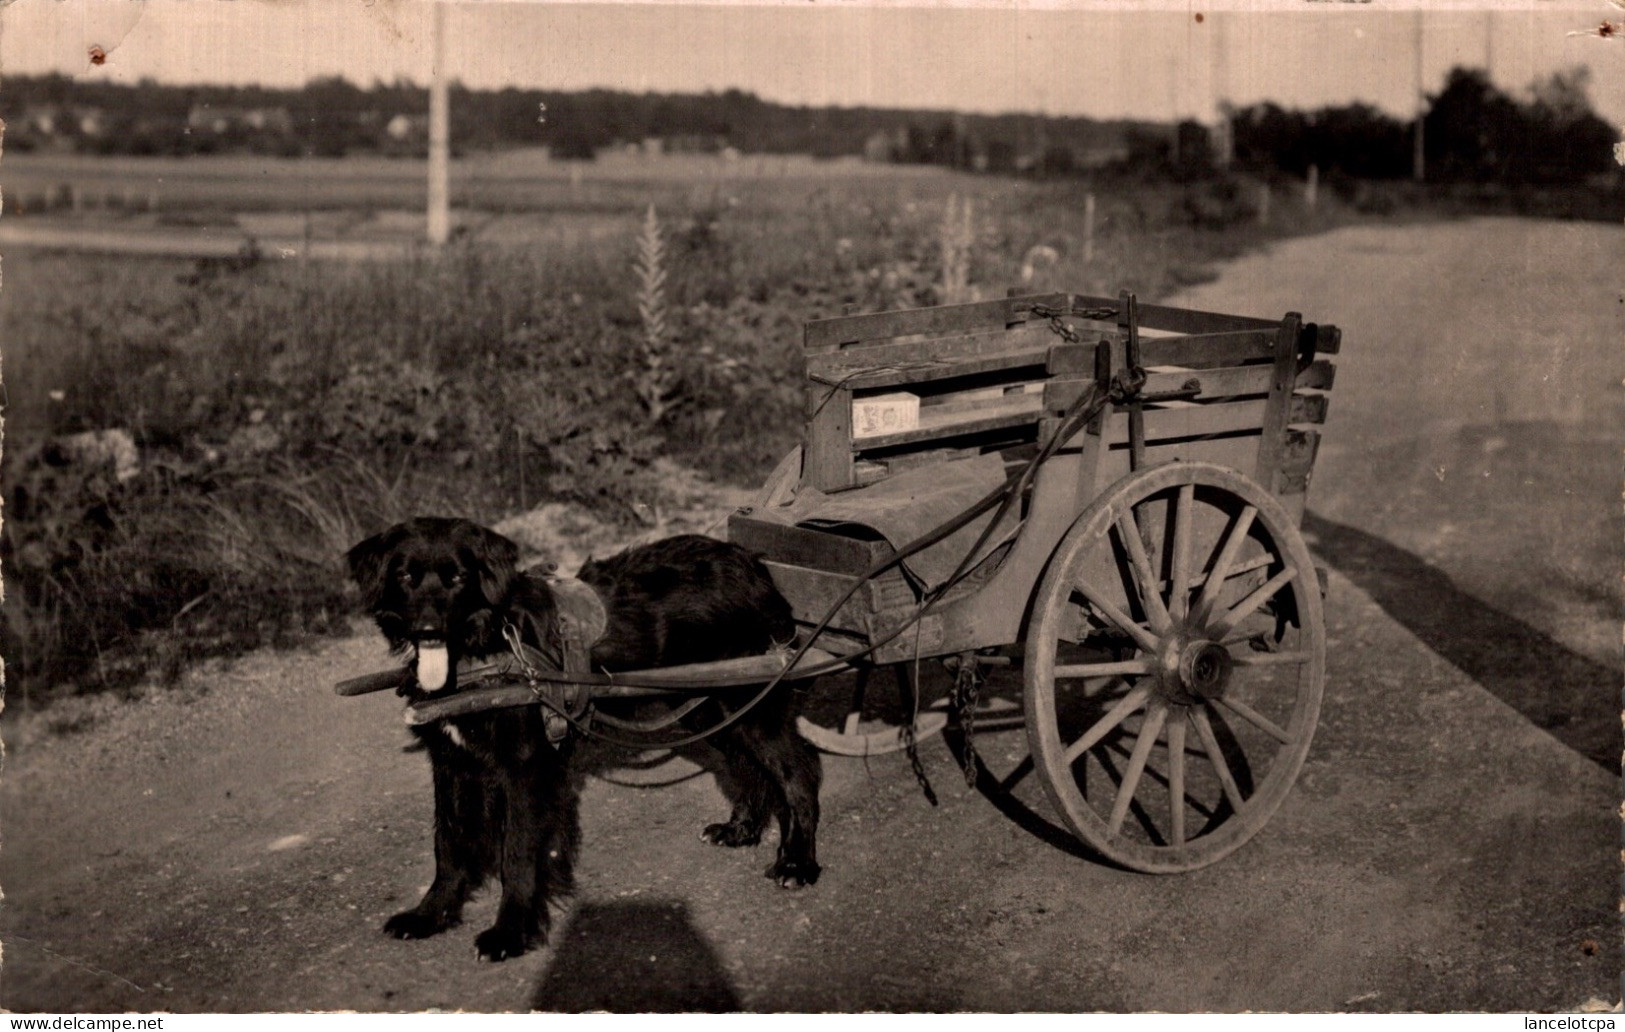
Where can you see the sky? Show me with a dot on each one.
(1114, 58)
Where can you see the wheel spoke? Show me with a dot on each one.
(1249, 605)
(1127, 666)
(1271, 658)
(1142, 637)
(1221, 565)
(1179, 593)
(1249, 565)
(1149, 584)
(1118, 713)
(1257, 719)
(1215, 755)
(1176, 779)
(1136, 766)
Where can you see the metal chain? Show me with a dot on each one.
(911, 747)
(967, 688)
(1061, 329)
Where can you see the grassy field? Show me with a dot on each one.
(280, 408)
(510, 181)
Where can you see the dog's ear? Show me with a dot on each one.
(497, 560)
(368, 559)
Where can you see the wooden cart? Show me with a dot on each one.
(1136, 555)
(1156, 594)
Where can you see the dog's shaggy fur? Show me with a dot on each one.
(505, 804)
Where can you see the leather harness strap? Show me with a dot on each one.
(579, 623)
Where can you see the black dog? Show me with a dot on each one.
(505, 805)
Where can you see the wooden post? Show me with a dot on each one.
(1278, 406)
(1311, 188)
(1263, 204)
(1089, 227)
(828, 462)
(439, 135)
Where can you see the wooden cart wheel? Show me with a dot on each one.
(863, 728)
(1176, 657)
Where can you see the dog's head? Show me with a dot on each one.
(433, 585)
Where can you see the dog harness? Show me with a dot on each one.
(579, 622)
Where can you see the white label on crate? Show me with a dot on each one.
(885, 414)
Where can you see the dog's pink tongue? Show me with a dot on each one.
(431, 667)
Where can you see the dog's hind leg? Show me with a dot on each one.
(541, 833)
(461, 803)
(749, 790)
(791, 773)
(796, 771)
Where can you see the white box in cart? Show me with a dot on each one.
(885, 414)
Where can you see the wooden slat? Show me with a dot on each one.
(1177, 420)
(1317, 376)
(1182, 320)
(1198, 351)
(827, 459)
(1191, 421)
(1020, 410)
(1231, 382)
(825, 334)
(804, 546)
(1299, 450)
(1307, 408)
(1206, 350)
(926, 372)
(1015, 344)
(1328, 340)
(1297, 461)
(925, 457)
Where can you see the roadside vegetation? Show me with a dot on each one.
(279, 411)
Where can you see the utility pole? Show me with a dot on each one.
(439, 134)
(1418, 159)
(1224, 150)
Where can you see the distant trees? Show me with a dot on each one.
(1357, 141)
(1473, 131)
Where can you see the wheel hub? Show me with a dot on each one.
(1204, 669)
(1194, 669)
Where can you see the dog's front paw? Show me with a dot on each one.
(794, 872)
(414, 924)
(731, 834)
(499, 943)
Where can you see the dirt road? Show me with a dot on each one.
(236, 846)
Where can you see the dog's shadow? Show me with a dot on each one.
(634, 957)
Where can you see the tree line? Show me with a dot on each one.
(1473, 131)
